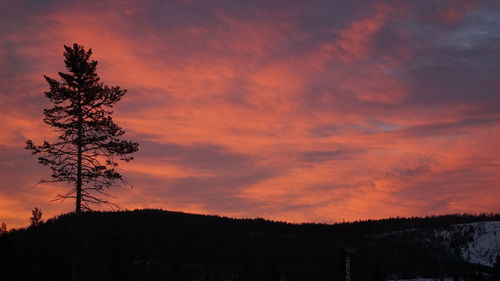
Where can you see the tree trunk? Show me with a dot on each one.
(76, 265)
(78, 209)
(79, 179)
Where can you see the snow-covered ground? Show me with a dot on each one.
(424, 279)
(481, 247)
(485, 247)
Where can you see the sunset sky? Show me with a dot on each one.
(300, 111)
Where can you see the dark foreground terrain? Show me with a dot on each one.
(161, 245)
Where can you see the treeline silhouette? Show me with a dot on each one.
(161, 245)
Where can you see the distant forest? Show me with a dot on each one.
(161, 245)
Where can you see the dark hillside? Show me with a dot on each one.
(161, 245)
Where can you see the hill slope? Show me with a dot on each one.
(483, 247)
(160, 245)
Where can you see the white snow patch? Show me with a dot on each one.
(485, 247)
(424, 279)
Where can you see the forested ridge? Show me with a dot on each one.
(161, 245)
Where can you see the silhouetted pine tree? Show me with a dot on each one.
(36, 217)
(85, 153)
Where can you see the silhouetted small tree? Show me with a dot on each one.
(3, 228)
(86, 152)
(36, 217)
